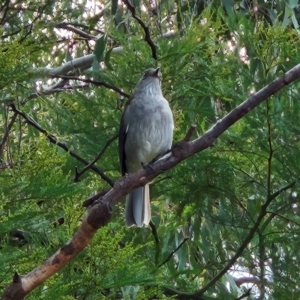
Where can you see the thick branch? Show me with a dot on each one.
(80, 63)
(23, 285)
(99, 214)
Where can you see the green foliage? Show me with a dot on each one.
(203, 209)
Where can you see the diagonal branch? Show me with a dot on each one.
(172, 253)
(247, 240)
(6, 134)
(56, 88)
(52, 139)
(99, 215)
(98, 156)
(80, 32)
(95, 82)
(146, 29)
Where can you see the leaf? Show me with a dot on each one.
(107, 58)
(68, 56)
(295, 22)
(114, 6)
(287, 15)
(100, 47)
(273, 15)
(228, 4)
(95, 65)
(293, 3)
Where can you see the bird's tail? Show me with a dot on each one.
(138, 210)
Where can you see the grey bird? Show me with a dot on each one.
(146, 133)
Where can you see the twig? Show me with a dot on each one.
(78, 174)
(146, 29)
(81, 33)
(247, 294)
(52, 139)
(6, 4)
(90, 201)
(6, 134)
(190, 132)
(261, 248)
(95, 82)
(179, 295)
(156, 239)
(246, 241)
(172, 253)
(78, 25)
(49, 91)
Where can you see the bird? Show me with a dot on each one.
(145, 134)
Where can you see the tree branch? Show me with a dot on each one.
(174, 251)
(80, 63)
(100, 213)
(146, 29)
(246, 241)
(95, 82)
(52, 139)
(98, 156)
(81, 33)
(247, 294)
(6, 134)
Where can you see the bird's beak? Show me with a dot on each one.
(156, 72)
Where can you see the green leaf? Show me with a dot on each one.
(95, 65)
(114, 6)
(293, 3)
(287, 15)
(107, 58)
(100, 47)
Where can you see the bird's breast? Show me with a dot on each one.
(149, 135)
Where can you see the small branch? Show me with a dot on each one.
(78, 174)
(56, 88)
(261, 247)
(179, 295)
(189, 134)
(6, 134)
(90, 201)
(81, 33)
(52, 139)
(52, 91)
(271, 151)
(172, 253)
(97, 83)
(146, 29)
(246, 241)
(156, 239)
(4, 9)
(247, 294)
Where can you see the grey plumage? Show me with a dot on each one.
(146, 133)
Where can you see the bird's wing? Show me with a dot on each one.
(122, 139)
